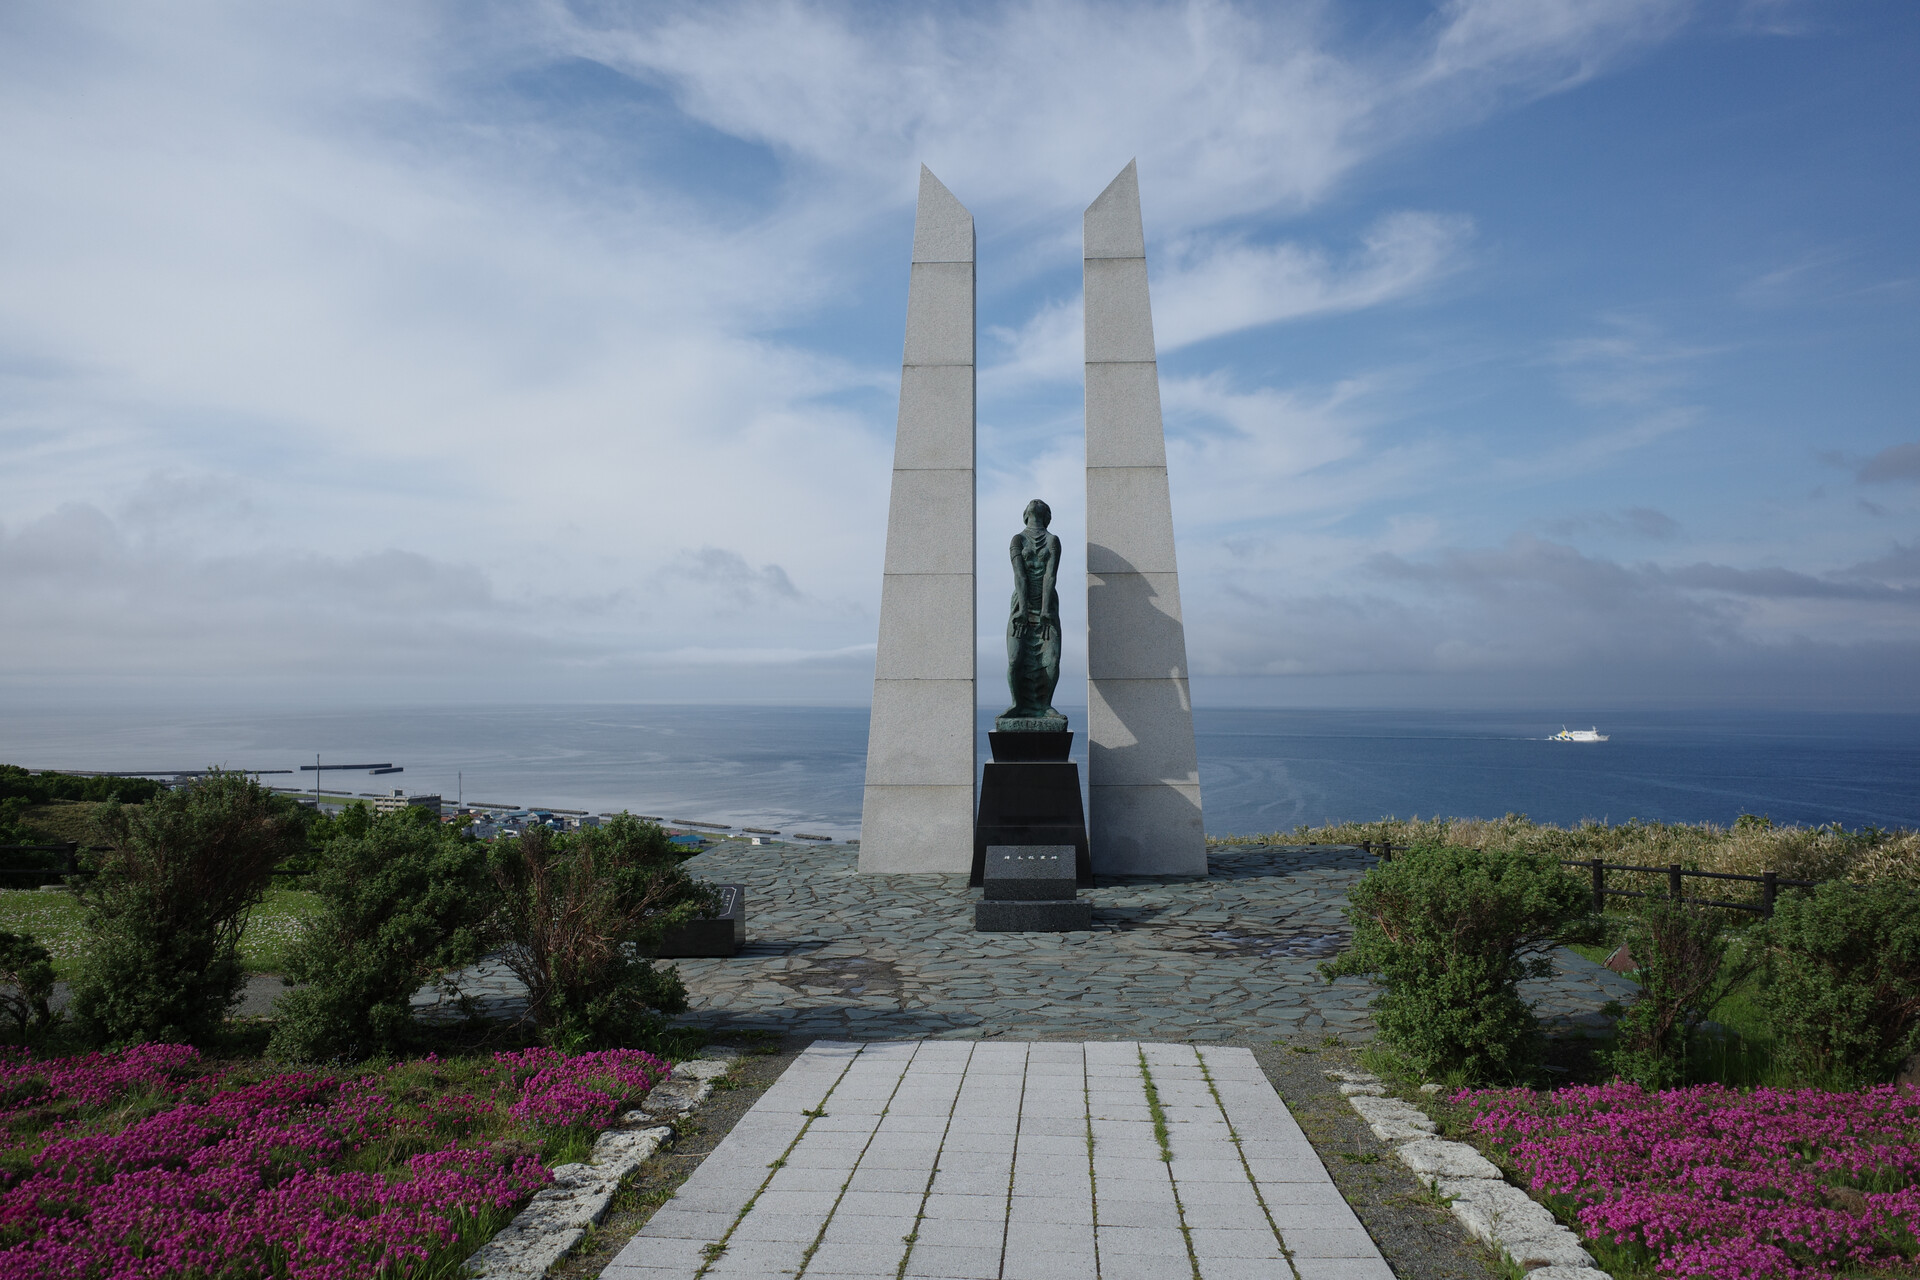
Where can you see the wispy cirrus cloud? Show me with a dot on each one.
(1205, 287)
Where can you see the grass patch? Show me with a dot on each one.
(62, 820)
(54, 919)
(1596, 952)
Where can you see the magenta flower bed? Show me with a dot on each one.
(1775, 1184)
(151, 1162)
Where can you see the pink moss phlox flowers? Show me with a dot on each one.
(1775, 1184)
(583, 1089)
(163, 1167)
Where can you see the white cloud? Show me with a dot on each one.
(1204, 287)
(401, 338)
(1230, 109)
(1211, 289)
(1539, 46)
(1533, 605)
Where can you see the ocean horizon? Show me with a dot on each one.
(801, 768)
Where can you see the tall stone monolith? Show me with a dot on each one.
(918, 810)
(1143, 773)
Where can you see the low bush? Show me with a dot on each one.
(1451, 932)
(1843, 981)
(1684, 973)
(26, 983)
(17, 828)
(165, 912)
(580, 914)
(403, 900)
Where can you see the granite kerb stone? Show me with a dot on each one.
(559, 1216)
(1491, 1209)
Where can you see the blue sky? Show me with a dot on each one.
(1513, 351)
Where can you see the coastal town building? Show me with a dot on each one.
(399, 800)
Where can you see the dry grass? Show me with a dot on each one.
(1749, 847)
(64, 819)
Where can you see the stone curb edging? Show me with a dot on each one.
(1492, 1210)
(558, 1216)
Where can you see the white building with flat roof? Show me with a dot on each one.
(401, 800)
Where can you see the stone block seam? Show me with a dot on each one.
(1492, 1210)
(559, 1217)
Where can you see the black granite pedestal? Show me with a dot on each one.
(1030, 795)
(1030, 889)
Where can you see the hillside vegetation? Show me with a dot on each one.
(1750, 846)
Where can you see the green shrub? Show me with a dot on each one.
(402, 901)
(580, 914)
(39, 788)
(26, 983)
(165, 913)
(16, 828)
(1843, 981)
(1451, 931)
(1684, 974)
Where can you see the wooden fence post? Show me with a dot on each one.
(1769, 891)
(1673, 882)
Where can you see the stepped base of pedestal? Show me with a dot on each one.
(1032, 917)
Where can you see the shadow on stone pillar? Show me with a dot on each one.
(1143, 772)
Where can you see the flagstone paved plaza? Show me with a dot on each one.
(834, 953)
(837, 954)
(1010, 1160)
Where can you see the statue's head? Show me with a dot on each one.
(1039, 513)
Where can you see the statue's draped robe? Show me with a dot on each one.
(1033, 648)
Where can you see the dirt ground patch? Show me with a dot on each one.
(762, 1061)
(1418, 1237)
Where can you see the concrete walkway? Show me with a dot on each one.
(1023, 1160)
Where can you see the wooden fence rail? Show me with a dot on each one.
(1770, 882)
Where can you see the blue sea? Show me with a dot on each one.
(801, 768)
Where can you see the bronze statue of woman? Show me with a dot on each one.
(1033, 625)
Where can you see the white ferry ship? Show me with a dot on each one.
(1578, 735)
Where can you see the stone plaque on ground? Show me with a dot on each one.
(1030, 889)
(720, 935)
(1039, 872)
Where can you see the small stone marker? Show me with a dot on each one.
(718, 936)
(1030, 889)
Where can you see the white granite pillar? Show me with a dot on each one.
(918, 811)
(1143, 774)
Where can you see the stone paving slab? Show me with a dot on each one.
(1020, 1179)
(831, 952)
